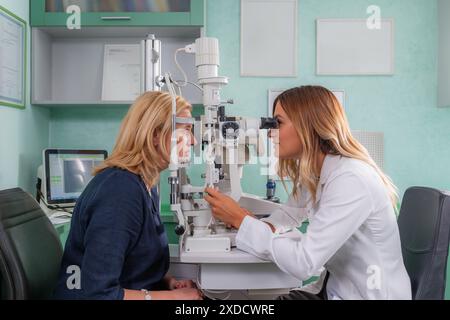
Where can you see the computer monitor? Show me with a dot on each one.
(67, 172)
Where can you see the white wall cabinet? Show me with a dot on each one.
(67, 65)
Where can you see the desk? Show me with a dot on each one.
(261, 278)
(190, 271)
(236, 274)
(63, 232)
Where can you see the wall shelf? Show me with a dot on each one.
(105, 13)
(67, 66)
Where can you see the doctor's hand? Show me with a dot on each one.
(225, 209)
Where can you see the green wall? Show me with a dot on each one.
(23, 133)
(403, 106)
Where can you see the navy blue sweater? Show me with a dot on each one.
(116, 240)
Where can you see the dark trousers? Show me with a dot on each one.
(303, 295)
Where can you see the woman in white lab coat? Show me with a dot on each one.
(347, 199)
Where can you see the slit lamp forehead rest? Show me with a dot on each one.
(181, 120)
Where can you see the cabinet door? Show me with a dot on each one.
(119, 12)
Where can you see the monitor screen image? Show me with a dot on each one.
(68, 172)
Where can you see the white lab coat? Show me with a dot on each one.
(352, 232)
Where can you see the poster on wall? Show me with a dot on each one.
(269, 39)
(349, 47)
(13, 35)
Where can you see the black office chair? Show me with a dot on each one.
(424, 224)
(30, 250)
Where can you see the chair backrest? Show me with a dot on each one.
(424, 224)
(30, 249)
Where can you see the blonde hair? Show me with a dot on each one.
(148, 117)
(321, 125)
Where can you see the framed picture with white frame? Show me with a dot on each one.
(350, 47)
(269, 38)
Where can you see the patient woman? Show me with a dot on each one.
(348, 200)
(117, 247)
